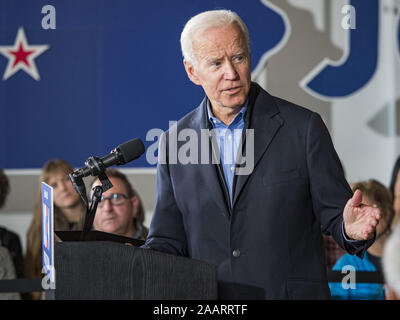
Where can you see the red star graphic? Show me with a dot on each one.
(21, 55)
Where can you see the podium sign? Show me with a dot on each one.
(47, 232)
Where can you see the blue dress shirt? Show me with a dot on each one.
(228, 139)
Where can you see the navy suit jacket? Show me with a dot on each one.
(268, 243)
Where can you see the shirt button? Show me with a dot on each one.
(230, 137)
(236, 253)
(232, 168)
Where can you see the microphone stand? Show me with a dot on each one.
(80, 188)
(91, 212)
(96, 197)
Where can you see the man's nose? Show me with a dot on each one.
(230, 72)
(107, 205)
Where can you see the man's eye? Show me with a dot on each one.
(239, 58)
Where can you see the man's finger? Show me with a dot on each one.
(373, 222)
(378, 214)
(356, 200)
(373, 212)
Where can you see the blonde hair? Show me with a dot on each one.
(204, 21)
(33, 257)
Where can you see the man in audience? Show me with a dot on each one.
(120, 210)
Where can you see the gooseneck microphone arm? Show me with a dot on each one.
(95, 166)
(79, 186)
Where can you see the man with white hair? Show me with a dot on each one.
(391, 265)
(261, 227)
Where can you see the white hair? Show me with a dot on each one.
(204, 21)
(391, 261)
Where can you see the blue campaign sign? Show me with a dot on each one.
(47, 231)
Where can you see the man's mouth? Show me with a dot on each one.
(233, 90)
(110, 218)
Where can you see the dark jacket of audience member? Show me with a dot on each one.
(8, 238)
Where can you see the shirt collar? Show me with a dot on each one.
(215, 120)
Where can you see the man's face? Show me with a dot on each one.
(117, 219)
(222, 66)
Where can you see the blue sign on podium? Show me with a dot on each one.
(47, 233)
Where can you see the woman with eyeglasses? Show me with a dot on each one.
(120, 210)
(69, 211)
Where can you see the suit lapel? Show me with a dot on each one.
(265, 122)
(263, 117)
(210, 170)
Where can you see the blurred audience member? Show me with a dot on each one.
(121, 210)
(4, 188)
(395, 189)
(69, 211)
(332, 251)
(8, 238)
(374, 194)
(391, 265)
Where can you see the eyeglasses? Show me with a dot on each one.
(116, 199)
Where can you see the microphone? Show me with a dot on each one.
(122, 154)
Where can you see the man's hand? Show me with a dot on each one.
(359, 219)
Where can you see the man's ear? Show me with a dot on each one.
(135, 204)
(191, 72)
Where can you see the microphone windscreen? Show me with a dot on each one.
(131, 150)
